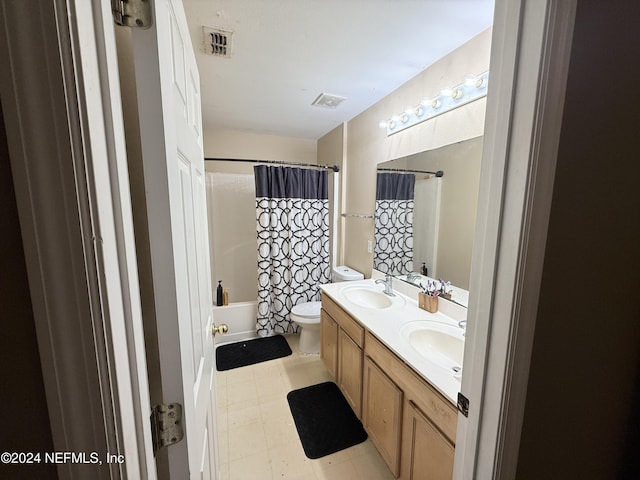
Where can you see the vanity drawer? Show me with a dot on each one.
(380, 353)
(417, 390)
(348, 324)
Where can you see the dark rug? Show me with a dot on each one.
(325, 422)
(249, 352)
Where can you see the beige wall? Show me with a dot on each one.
(254, 146)
(331, 152)
(367, 144)
(331, 147)
(581, 416)
(26, 426)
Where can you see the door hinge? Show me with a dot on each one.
(132, 13)
(463, 404)
(166, 425)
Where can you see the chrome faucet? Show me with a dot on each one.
(412, 276)
(388, 285)
(463, 325)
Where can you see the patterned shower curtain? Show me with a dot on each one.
(393, 230)
(292, 206)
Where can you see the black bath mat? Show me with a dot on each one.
(249, 352)
(325, 422)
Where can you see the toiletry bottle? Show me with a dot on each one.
(225, 297)
(219, 294)
(423, 270)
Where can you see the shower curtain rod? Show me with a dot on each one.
(439, 173)
(335, 168)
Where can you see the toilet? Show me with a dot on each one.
(307, 315)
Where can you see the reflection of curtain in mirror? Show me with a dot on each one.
(393, 229)
(292, 208)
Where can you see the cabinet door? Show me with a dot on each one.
(329, 343)
(350, 371)
(382, 413)
(426, 453)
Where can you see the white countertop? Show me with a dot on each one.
(386, 324)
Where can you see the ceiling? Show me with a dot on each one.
(287, 52)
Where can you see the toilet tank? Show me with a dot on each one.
(346, 274)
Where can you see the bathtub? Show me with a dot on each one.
(240, 317)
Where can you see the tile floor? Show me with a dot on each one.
(258, 438)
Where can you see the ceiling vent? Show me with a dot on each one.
(327, 100)
(217, 42)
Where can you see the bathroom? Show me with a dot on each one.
(354, 240)
(357, 147)
(575, 340)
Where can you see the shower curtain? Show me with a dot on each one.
(292, 207)
(393, 229)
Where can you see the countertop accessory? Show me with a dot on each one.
(428, 302)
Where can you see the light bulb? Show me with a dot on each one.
(470, 80)
(446, 92)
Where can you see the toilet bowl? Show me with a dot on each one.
(307, 315)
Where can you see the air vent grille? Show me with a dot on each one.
(328, 100)
(218, 42)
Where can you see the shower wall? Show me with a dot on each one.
(231, 207)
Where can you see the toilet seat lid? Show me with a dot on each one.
(307, 309)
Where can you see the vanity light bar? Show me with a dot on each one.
(473, 88)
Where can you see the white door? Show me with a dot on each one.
(168, 90)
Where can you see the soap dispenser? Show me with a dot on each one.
(219, 294)
(423, 270)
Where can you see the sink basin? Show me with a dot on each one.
(439, 343)
(369, 297)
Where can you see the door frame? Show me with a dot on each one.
(530, 46)
(529, 64)
(61, 101)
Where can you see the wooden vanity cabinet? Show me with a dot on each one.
(382, 403)
(411, 424)
(426, 453)
(420, 421)
(346, 359)
(329, 343)
(350, 371)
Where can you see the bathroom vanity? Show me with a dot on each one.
(402, 393)
(341, 347)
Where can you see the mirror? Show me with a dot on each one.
(423, 218)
